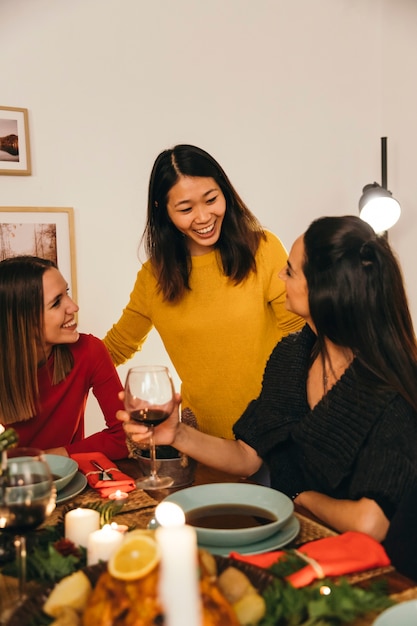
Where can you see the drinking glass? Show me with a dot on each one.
(27, 498)
(149, 399)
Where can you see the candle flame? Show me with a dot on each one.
(169, 514)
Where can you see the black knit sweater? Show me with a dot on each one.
(360, 440)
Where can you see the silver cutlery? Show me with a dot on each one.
(105, 475)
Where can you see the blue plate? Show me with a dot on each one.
(62, 466)
(280, 539)
(403, 614)
(76, 486)
(235, 494)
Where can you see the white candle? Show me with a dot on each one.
(102, 544)
(178, 584)
(79, 523)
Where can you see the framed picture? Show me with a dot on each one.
(14, 141)
(43, 232)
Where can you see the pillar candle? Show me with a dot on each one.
(102, 544)
(79, 523)
(179, 584)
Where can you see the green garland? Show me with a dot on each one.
(50, 557)
(324, 603)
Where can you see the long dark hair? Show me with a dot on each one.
(21, 335)
(166, 247)
(357, 299)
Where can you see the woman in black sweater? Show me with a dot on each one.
(336, 420)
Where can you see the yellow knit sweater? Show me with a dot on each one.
(218, 337)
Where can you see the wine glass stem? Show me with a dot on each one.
(152, 448)
(20, 545)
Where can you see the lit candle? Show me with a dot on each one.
(178, 584)
(79, 523)
(118, 495)
(121, 528)
(102, 543)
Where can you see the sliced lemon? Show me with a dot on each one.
(72, 591)
(135, 558)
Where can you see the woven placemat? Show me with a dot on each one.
(137, 510)
(403, 596)
(311, 530)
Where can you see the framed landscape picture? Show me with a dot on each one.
(14, 141)
(43, 232)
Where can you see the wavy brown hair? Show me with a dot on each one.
(357, 299)
(165, 245)
(21, 336)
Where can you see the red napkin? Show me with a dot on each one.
(343, 554)
(105, 487)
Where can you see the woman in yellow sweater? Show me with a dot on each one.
(210, 287)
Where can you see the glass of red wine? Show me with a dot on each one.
(27, 498)
(149, 400)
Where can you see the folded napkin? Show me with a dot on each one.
(342, 554)
(105, 487)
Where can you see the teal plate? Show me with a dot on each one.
(235, 495)
(280, 539)
(403, 614)
(76, 486)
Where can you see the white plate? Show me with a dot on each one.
(76, 486)
(403, 614)
(279, 540)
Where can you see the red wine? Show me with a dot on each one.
(149, 416)
(20, 518)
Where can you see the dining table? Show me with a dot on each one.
(139, 508)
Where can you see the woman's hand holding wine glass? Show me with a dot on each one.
(149, 399)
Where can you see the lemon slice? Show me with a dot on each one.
(135, 558)
(72, 591)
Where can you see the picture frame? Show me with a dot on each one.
(14, 142)
(41, 231)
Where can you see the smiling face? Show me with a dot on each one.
(59, 311)
(196, 206)
(295, 281)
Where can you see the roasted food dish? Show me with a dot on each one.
(117, 597)
(118, 603)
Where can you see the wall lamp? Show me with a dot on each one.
(377, 207)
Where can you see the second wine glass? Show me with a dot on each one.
(149, 400)
(27, 498)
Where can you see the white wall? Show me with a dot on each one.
(291, 96)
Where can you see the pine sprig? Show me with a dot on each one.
(45, 562)
(107, 509)
(289, 563)
(326, 603)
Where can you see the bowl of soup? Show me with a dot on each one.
(233, 514)
(63, 469)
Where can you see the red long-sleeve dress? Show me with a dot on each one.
(60, 419)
